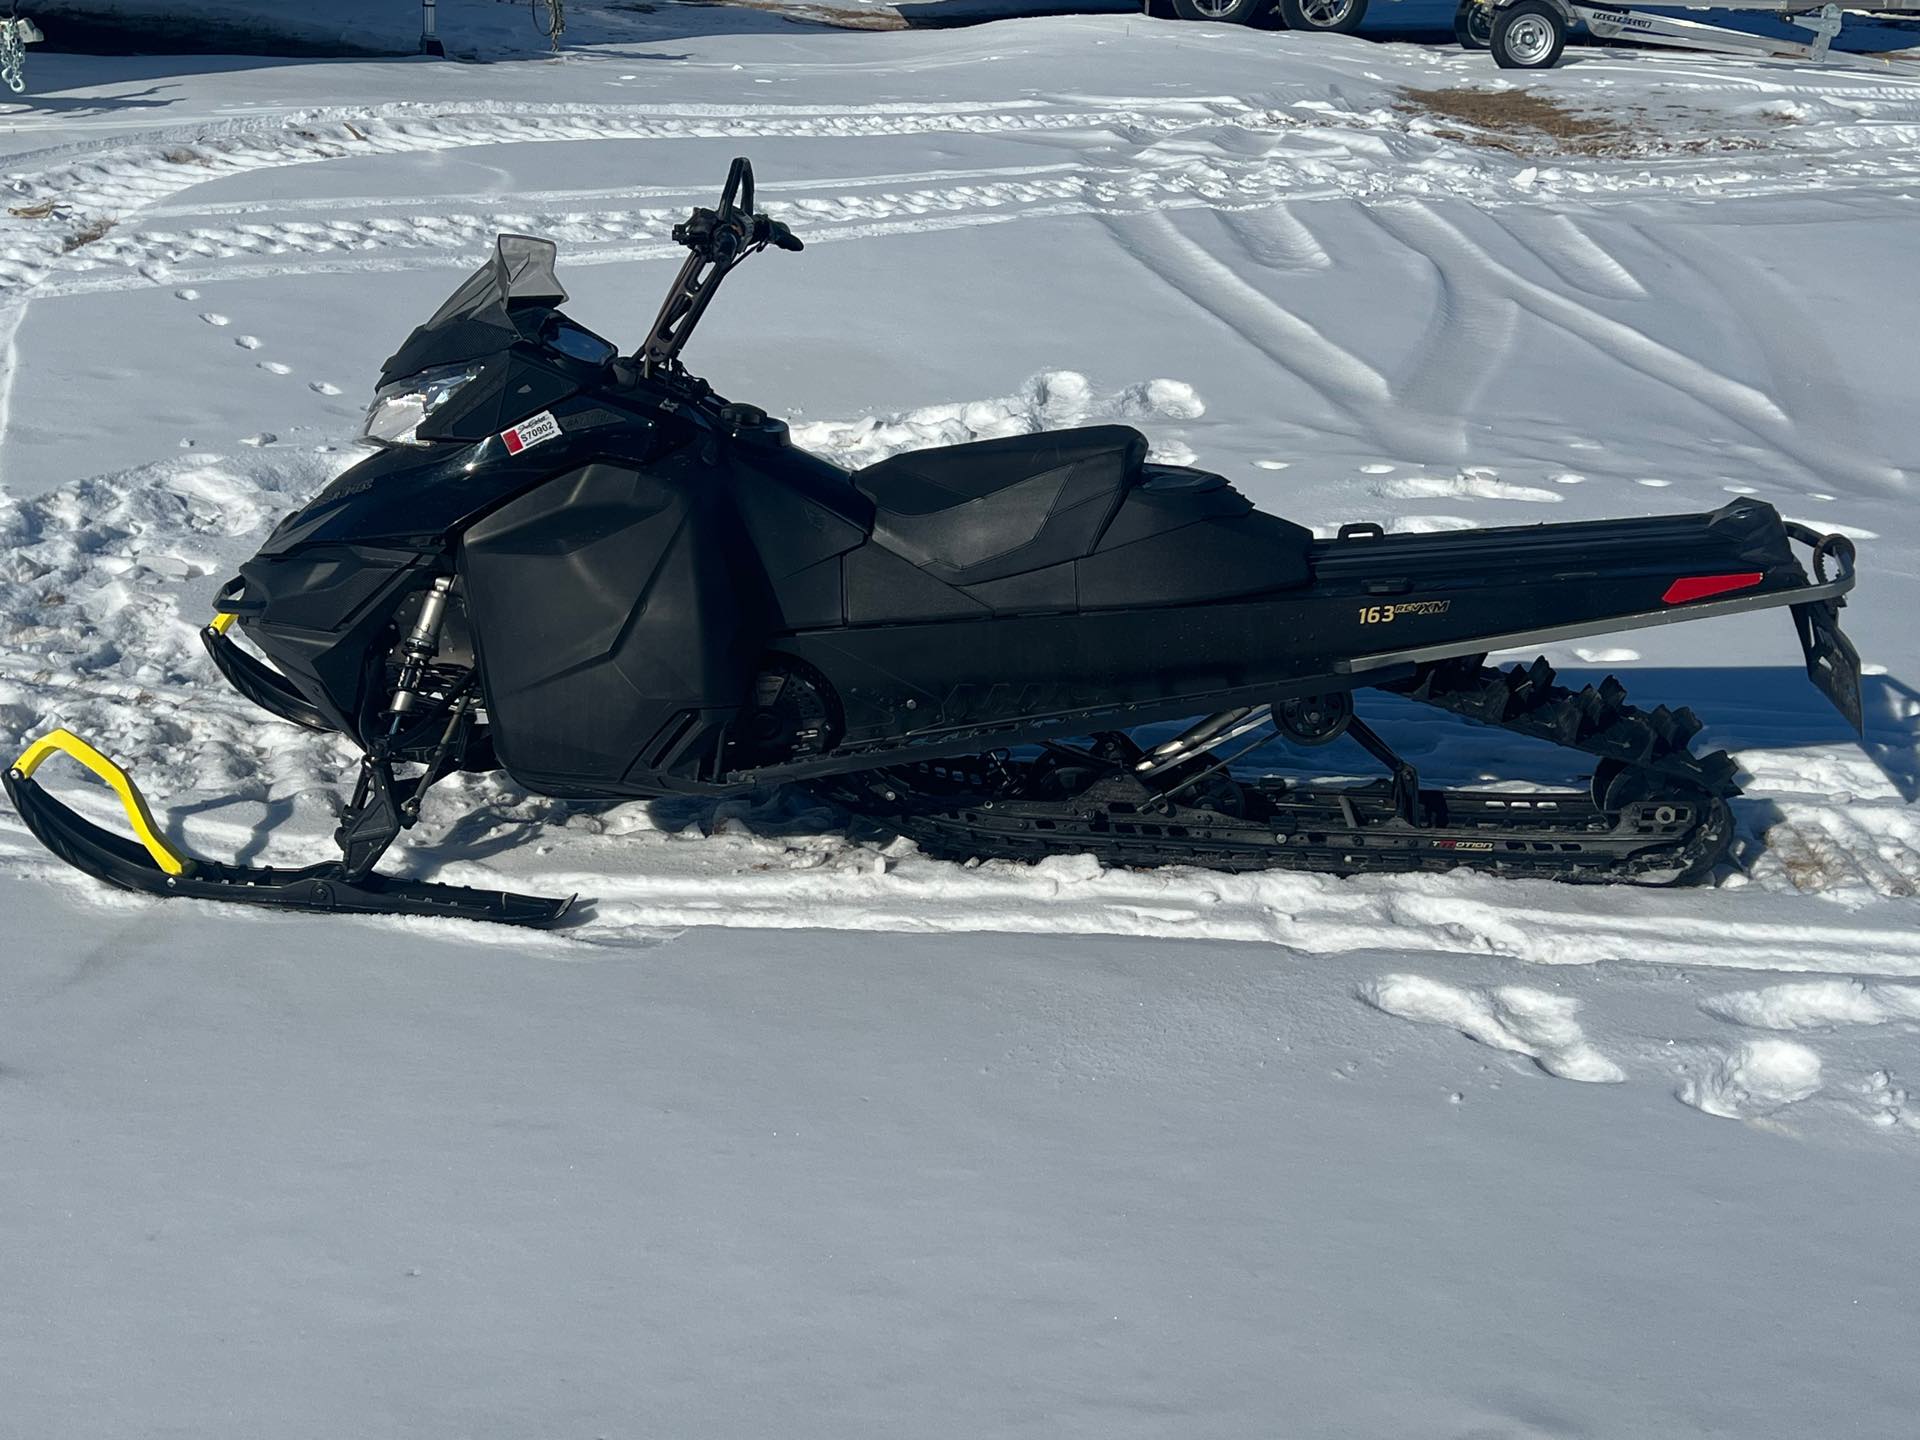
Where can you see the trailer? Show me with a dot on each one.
(1532, 34)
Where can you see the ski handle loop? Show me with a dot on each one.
(65, 742)
(1835, 547)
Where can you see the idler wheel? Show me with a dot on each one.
(1314, 719)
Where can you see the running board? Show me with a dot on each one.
(150, 865)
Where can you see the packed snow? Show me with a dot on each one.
(795, 1128)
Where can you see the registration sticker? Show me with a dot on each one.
(531, 432)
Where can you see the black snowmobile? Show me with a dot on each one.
(595, 573)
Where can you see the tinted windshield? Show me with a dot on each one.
(520, 270)
(478, 319)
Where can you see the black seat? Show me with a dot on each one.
(967, 514)
(1064, 520)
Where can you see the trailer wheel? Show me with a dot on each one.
(1473, 25)
(1327, 17)
(1227, 12)
(1528, 36)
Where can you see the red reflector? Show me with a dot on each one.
(1699, 587)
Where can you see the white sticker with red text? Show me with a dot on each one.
(531, 432)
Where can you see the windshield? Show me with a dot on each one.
(478, 319)
(519, 270)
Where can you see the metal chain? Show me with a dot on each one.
(15, 35)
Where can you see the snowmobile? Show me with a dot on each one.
(593, 572)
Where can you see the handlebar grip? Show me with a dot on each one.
(772, 232)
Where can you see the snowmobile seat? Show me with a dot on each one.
(1062, 520)
(983, 511)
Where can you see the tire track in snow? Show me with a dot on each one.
(1468, 337)
(1277, 239)
(1559, 242)
(1737, 403)
(1352, 388)
(1797, 359)
(681, 195)
(1332, 154)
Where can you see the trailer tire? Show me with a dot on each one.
(1324, 17)
(1228, 12)
(1528, 36)
(1473, 25)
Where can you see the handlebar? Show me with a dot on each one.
(732, 231)
(719, 238)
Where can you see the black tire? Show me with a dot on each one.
(1325, 17)
(1528, 36)
(1473, 25)
(1224, 12)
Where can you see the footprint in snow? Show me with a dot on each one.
(1752, 1080)
(215, 320)
(1514, 1018)
(247, 342)
(186, 294)
(275, 367)
(1817, 1005)
(265, 437)
(321, 387)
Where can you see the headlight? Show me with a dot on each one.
(397, 409)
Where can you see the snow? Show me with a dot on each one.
(799, 1123)
(1515, 1018)
(411, 1185)
(1758, 1078)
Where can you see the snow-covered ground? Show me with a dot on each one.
(752, 1148)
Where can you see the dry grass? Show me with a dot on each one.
(88, 232)
(1525, 122)
(817, 14)
(1520, 121)
(42, 211)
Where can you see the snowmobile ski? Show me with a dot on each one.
(151, 865)
(592, 572)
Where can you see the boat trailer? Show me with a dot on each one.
(1530, 34)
